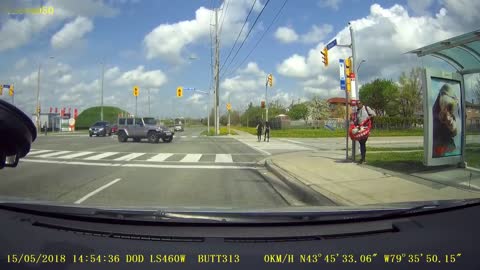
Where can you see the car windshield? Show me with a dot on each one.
(150, 121)
(265, 105)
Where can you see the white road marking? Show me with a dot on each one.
(100, 156)
(183, 136)
(97, 191)
(194, 136)
(140, 165)
(191, 158)
(223, 158)
(38, 152)
(54, 154)
(129, 156)
(79, 154)
(254, 148)
(160, 157)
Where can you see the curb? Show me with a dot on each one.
(302, 190)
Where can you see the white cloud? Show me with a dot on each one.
(152, 78)
(317, 33)
(420, 7)
(31, 79)
(168, 41)
(334, 4)
(286, 34)
(21, 63)
(195, 99)
(294, 66)
(65, 79)
(21, 30)
(112, 73)
(71, 33)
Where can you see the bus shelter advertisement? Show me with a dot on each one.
(444, 118)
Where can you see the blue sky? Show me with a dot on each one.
(160, 45)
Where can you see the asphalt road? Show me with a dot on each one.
(191, 171)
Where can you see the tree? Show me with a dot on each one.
(410, 93)
(380, 95)
(319, 108)
(476, 89)
(299, 111)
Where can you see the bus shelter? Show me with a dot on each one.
(444, 98)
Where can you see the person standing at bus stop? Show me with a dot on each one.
(267, 132)
(363, 113)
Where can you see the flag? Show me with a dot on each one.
(56, 110)
(51, 109)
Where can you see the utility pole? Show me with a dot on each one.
(38, 95)
(354, 91)
(101, 101)
(217, 79)
(229, 114)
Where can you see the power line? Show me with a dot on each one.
(258, 42)
(224, 14)
(238, 36)
(255, 22)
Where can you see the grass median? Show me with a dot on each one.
(223, 132)
(411, 162)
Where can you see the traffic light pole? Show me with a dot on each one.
(266, 101)
(354, 57)
(217, 79)
(136, 98)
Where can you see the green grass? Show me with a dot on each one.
(91, 115)
(223, 131)
(410, 162)
(409, 148)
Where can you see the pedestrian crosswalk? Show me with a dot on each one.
(136, 156)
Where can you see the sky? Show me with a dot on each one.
(160, 45)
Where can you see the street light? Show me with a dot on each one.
(363, 61)
(38, 94)
(101, 98)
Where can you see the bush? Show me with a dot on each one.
(396, 122)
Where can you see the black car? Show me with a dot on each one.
(100, 129)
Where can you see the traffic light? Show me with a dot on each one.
(1, 90)
(136, 91)
(229, 106)
(10, 90)
(180, 91)
(38, 109)
(270, 80)
(348, 67)
(325, 56)
(263, 104)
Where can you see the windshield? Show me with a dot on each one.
(263, 104)
(150, 121)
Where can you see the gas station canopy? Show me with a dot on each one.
(462, 52)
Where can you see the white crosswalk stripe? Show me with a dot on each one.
(191, 158)
(100, 156)
(54, 154)
(129, 157)
(223, 158)
(35, 152)
(75, 155)
(160, 157)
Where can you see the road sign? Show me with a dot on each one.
(136, 91)
(332, 44)
(341, 63)
(189, 88)
(229, 106)
(179, 91)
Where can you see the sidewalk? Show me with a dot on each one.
(346, 183)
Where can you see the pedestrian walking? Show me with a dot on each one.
(267, 132)
(259, 131)
(363, 114)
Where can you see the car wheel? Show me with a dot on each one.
(90, 134)
(3, 158)
(136, 139)
(122, 137)
(15, 162)
(152, 137)
(110, 134)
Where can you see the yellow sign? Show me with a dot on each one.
(270, 80)
(179, 91)
(229, 106)
(10, 92)
(136, 91)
